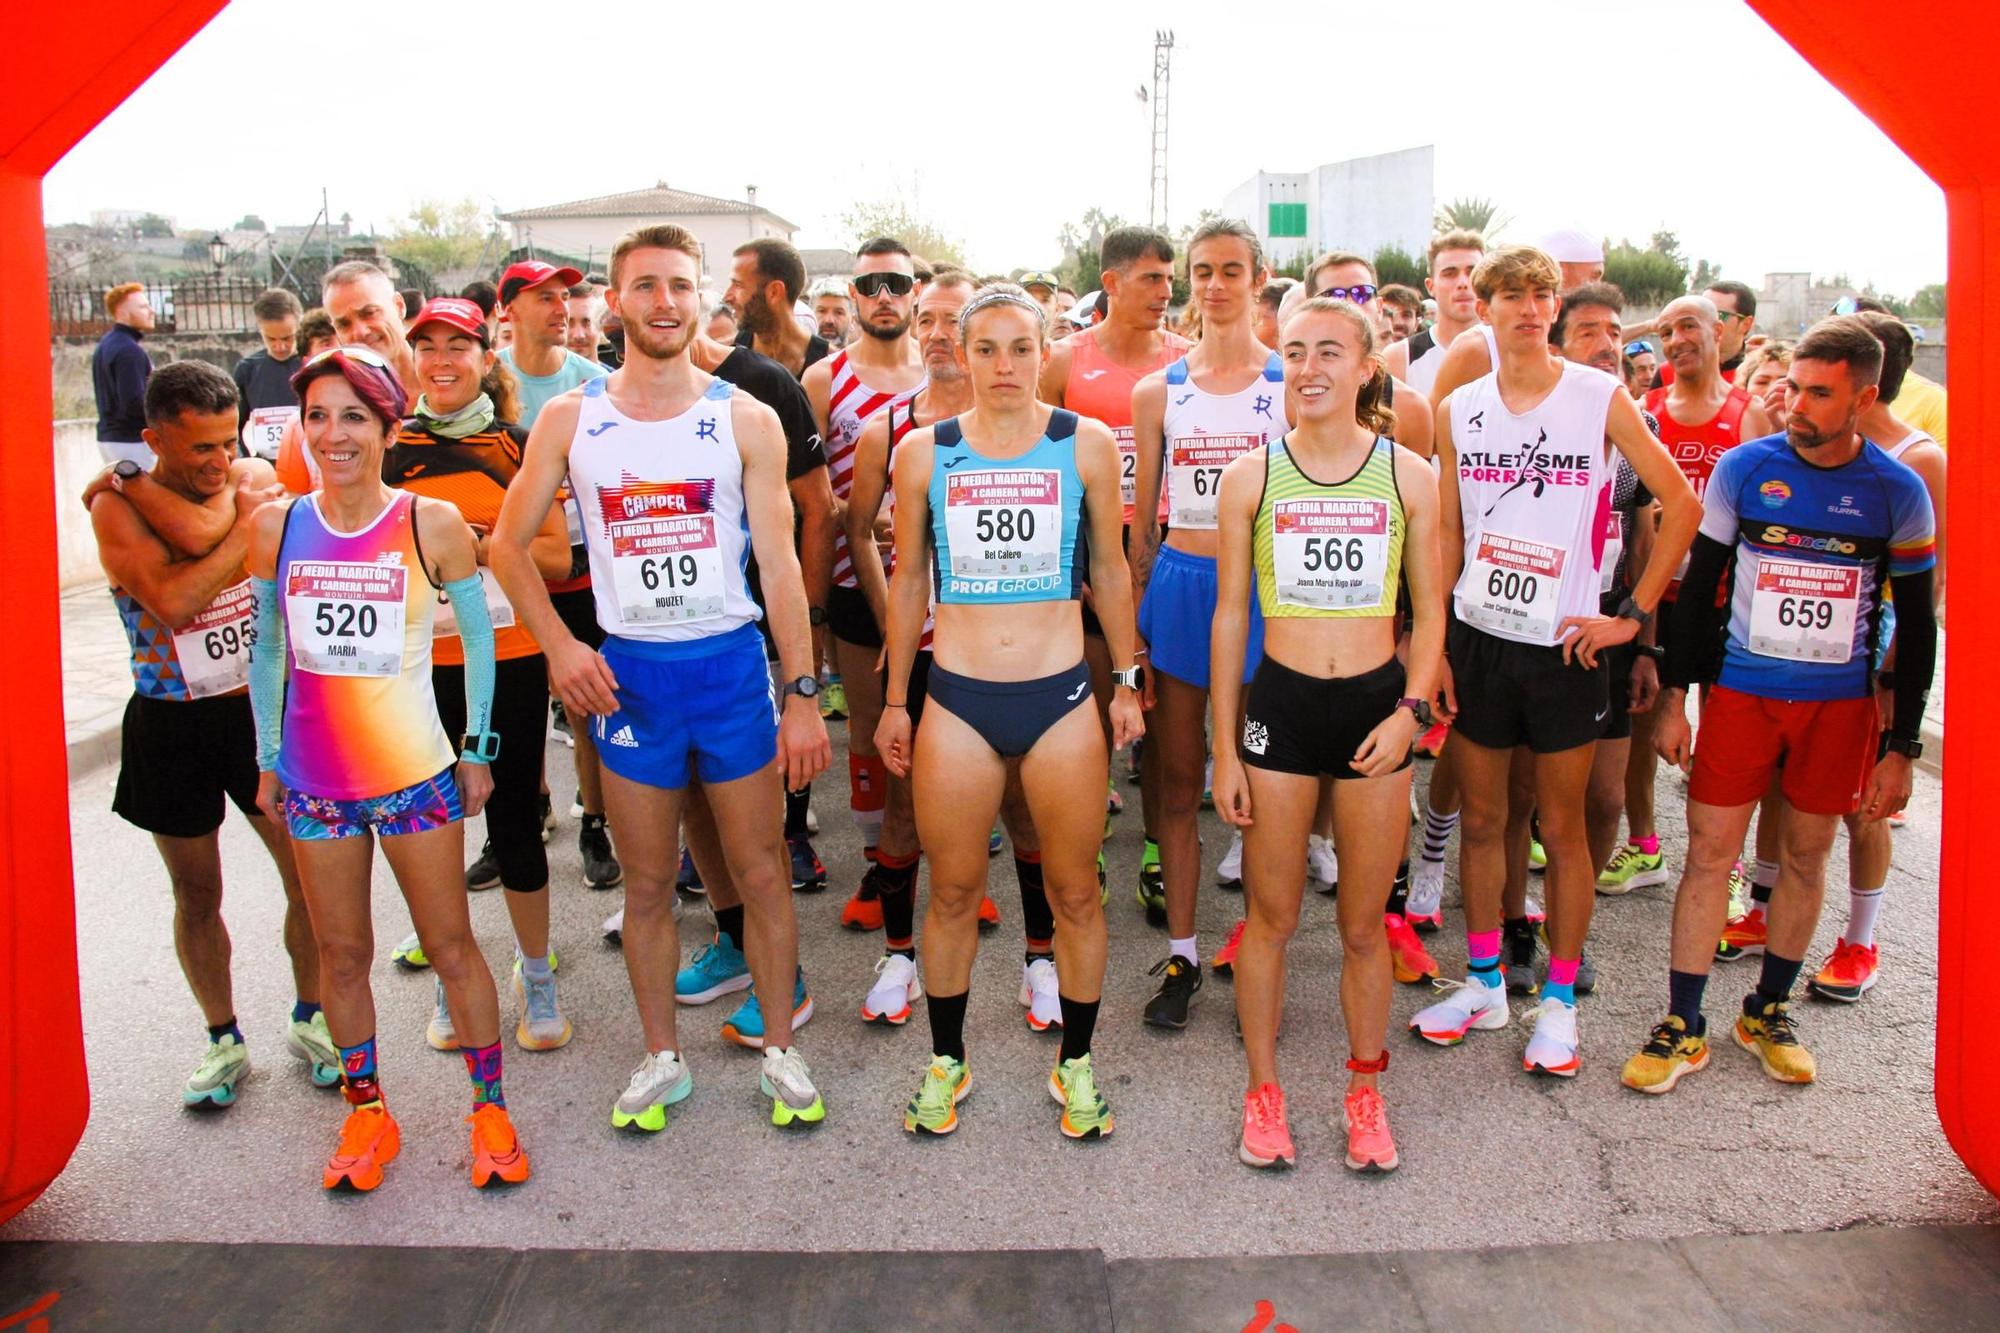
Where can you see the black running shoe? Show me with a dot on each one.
(485, 872)
(1169, 1006)
(600, 867)
(808, 873)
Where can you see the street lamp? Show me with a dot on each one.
(218, 252)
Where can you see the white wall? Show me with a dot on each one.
(77, 461)
(1369, 202)
(593, 238)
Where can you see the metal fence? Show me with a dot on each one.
(202, 303)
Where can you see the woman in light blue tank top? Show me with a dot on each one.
(1003, 515)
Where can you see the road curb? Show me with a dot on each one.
(99, 749)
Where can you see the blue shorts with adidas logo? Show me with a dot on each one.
(701, 708)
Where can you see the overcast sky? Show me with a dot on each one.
(1000, 124)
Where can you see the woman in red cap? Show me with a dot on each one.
(346, 580)
(460, 445)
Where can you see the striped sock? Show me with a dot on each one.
(1437, 832)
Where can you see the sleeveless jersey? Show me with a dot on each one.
(209, 655)
(1535, 492)
(1329, 548)
(903, 420)
(1696, 448)
(1005, 530)
(1909, 442)
(1100, 387)
(472, 473)
(1427, 357)
(1203, 432)
(360, 718)
(849, 405)
(663, 518)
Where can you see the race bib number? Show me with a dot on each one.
(1004, 524)
(1511, 587)
(1194, 475)
(1614, 551)
(1128, 465)
(1804, 612)
(444, 621)
(265, 430)
(346, 618)
(1330, 555)
(667, 570)
(214, 648)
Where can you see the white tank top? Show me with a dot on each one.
(663, 518)
(1204, 432)
(1534, 491)
(849, 405)
(1425, 363)
(1911, 441)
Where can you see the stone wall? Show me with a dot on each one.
(76, 462)
(71, 362)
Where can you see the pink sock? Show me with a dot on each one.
(1650, 846)
(1482, 944)
(1562, 971)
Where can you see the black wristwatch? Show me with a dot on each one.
(1629, 610)
(127, 470)
(482, 748)
(1909, 749)
(805, 687)
(816, 616)
(1420, 709)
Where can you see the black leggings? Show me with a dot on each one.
(1011, 715)
(521, 719)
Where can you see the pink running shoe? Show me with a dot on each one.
(1369, 1147)
(1267, 1141)
(1225, 957)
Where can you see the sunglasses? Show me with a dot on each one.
(365, 356)
(1361, 293)
(873, 284)
(1638, 349)
(1846, 305)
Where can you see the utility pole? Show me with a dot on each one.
(1163, 54)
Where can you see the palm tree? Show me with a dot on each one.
(1473, 214)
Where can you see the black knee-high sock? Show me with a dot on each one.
(896, 888)
(1038, 922)
(947, 1023)
(796, 805)
(729, 922)
(1774, 983)
(1399, 894)
(1520, 933)
(1079, 1025)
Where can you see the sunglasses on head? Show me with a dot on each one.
(1638, 348)
(873, 284)
(365, 356)
(1361, 293)
(1847, 305)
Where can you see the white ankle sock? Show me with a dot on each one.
(1184, 949)
(1863, 906)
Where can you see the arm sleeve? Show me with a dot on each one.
(475, 632)
(1696, 616)
(1916, 651)
(267, 673)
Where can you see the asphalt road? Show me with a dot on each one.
(1491, 1156)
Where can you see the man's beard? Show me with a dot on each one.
(642, 341)
(887, 334)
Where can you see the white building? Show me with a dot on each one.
(587, 229)
(1361, 204)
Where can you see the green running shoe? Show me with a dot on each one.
(409, 954)
(833, 700)
(1538, 856)
(1103, 881)
(1631, 869)
(1152, 885)
(312, 1043)
(213, 1082)
(934, 1110)
(1085, 1116)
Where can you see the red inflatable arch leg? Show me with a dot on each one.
(68, 78)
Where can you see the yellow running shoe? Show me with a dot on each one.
(934, 1110)
(1769, 1035)
(1074, 1084)
(1669, 1055)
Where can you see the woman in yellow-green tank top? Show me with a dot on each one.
(1324, 526)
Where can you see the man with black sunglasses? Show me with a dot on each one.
(1341, 275)
(878, 370)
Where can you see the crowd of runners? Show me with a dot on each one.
(1272, 554)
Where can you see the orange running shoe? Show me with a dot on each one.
(1849, 974)
(1431, 742)
(1224, 962)
(1743, 936)
(989, 914)
(496, 1152)
(863, 911)
(1369, 1147)
(1267, 1139)
(1412, 962)
(369, 1141)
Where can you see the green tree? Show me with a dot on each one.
(153, 227)
(1080, 241)
(892, 217)
(1395, 264)
(1472, 213)
(1928, 303)
(1650, 276)
(250, 222)
(439, 235)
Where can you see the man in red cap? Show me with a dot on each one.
(535, 296)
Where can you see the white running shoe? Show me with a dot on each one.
(660, 1080)
(440, 1034)
(785, 1079)
(812, 821)
(1039, 995)
(1426, 890)
(542, 1026)
(1321, 864)
(614, 927)
(896, 988)
(576, 808)
(1467, 1005)
(1229, 872)
(1553, 1048)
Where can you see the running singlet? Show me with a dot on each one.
(360, 717)
(1695, 449)
(1534, 492)
(1005, 530)
(902, 420)
(1329, 548)
(209, 655)
(663, 517)
(849, 405)
(1100, 387)
(1815, 548)
(472, 474)
(1427, 357)
(1204, 432)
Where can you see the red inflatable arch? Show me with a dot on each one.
(1919, 77)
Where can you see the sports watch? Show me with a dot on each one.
(1132, 677)
(127, 470)
(1420, 709)
(479, 748)
(804, 686)
(1909, 749)
(1630, 610)
(815, 616)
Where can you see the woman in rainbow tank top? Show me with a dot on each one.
(347, 582)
